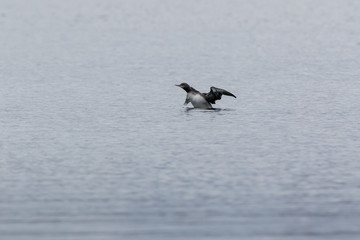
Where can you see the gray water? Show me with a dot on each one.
(96, 143)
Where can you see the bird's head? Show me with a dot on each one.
(184, 86)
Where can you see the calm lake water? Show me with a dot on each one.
(96, 143)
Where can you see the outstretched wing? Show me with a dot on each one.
(216, 93)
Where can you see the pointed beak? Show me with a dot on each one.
(178, 85)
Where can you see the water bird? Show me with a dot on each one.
(203, 100)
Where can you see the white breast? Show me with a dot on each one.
(198, 101)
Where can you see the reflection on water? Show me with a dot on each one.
(203, 110)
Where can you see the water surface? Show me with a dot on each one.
(96, 144)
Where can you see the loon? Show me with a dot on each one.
(203, 100)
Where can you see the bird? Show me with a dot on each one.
(203, 100)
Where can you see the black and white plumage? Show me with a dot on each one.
(203, 100)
